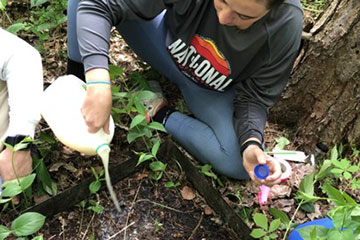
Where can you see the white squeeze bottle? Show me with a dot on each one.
(61, 109)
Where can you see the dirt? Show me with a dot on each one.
(147, 212)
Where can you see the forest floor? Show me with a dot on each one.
(149, 210)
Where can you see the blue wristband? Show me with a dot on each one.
(98, 82)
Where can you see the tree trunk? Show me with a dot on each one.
(322, 99)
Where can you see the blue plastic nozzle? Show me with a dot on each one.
(261, 171)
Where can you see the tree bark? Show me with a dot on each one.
(322, 99)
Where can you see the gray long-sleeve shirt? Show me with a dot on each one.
(256, 61)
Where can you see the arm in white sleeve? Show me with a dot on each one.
(21, 69)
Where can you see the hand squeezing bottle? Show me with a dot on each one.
(61, 109)
(262, 172)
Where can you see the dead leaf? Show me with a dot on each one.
(70, 167)
(141, 176)
(72, 215)
(132, 192)
(187, 193)
(285, 205)
(55, 167)
(299, 172)
(208, 210)
(177, 235)
(40, 199)
(317, 214)
(280, 191)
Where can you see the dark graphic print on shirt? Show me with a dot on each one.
(202, 62)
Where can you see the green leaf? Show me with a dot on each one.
(36, 3)
(157, 166)
(133, 135)
(313, 234)
(206, 168)
(3, 4)
(155, 148)
(339, 216)
(16, 27)
(26, 182)
(140, 106)
(324, 170)
(273, 236)
(115, 71)
(345, 164)
(146, 95)
(157, 126)
(11, 189)
(337, 171)
(156, 175)
(94, 187)
(47, 138)
(82, 204)
(308, 207)
(306, 197)
(38, 238)
(356, 211)
(334, 194)
(353, 169)
(144, 157)
(274, 225)
(27, 224)
(307, 184)
(347, 234)
(261, 220)
(334, 154)
(347, 175)
(97, 208)
(4, 232)
(4, 200)
(120, 94)
(43, 175)
(334, 234)
(257, 233)
(96, 175)
(137, 120)
(280, 215)
(171, 184)
(148, 132)
(320, 231)
(281, 142)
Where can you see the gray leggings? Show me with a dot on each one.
(210, 137)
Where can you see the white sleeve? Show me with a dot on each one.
(21, 69)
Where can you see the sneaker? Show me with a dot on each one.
(154, 105)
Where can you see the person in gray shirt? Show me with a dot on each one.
(231, 59)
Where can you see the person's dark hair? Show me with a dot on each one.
(273, 3)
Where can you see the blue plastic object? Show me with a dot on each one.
(261, 171)
(325, 222)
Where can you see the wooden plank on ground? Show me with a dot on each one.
(210, 194)
(79, 192)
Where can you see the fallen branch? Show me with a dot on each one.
(210, 194)
(79, 192)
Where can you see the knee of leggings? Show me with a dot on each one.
(232, 168)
